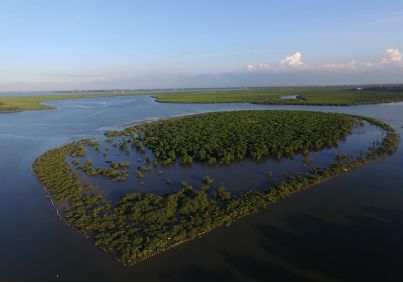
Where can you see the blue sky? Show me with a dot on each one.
(47, 45)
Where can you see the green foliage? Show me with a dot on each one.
(221, 194)
(144, 169)
(116, 173)
(207, 180)
(118, 165)
(78, 151)
(90, 142)
(226, 136)
(22, 103)
(139, 174)
(140, 225)
(306, 96)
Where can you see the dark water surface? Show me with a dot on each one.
(348, 228)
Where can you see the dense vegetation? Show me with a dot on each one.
(140, 225)
(7, 108)
(384, 88)
(117, 172)
(306, 95)
(225, 136)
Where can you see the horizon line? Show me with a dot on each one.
(126, 90)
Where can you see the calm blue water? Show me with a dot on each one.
(349, 228)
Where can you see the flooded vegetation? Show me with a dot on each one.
(146, 176)
(135, 224)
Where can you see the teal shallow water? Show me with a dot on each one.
(348, 228)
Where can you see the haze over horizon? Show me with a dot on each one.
(53, 45)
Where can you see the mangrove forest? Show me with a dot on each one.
(140, 225)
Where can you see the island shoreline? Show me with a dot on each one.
(388, 129)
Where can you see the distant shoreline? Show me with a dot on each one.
(312, 96)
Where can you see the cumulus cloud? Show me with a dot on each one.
(250, 68)
(292, 60)
(392, 55)
(258, 68)
(264, 66)
(353, 64)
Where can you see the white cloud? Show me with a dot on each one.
(392, 55)
(264, 66)
(353, 64)
(292, 60)
(250, 68)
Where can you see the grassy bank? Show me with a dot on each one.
(23, 103)
(305, 96)
(140, 225)
(337, 96)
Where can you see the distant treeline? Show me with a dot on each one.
(381, 88)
